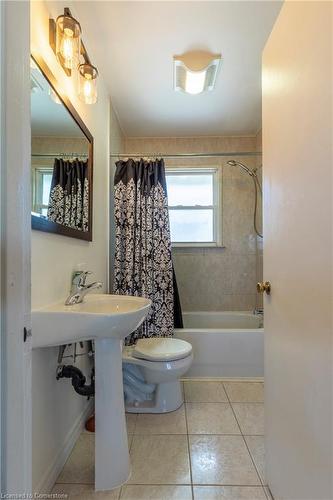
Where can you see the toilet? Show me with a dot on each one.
(152, 369)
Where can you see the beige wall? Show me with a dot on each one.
(213, 279)
(57, 409)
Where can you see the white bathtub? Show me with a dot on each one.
(225, 344)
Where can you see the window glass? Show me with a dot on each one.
(188, 226)
(193, 209)
(190, 189)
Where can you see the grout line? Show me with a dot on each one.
(252, 460)
(188, 444)
(81, 482)
(252, 380)
(198, 434)
(120, 492)
(240, 430)
(173, 484)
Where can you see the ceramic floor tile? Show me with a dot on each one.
(218, 460)
(250, 417)
(256, 445)
(84, 492)
(269, 495)
(229, 493)
(149, 492)
(204, 392)
(80, 466)
(211, 418)
(131, 419)
(130, 439)
(160, 460)
(163, 423)
(245, 392)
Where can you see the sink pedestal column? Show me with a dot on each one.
(112, 464)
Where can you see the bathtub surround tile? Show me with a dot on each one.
(229, 493)
(204, 392)
(250, 417)
(243, 274)
(157, 492)
(211, 418)
(163, 423)
(160, 460)
(80, 466)
(245, 392)
(240, 302)
(256, 445)
(221, 460)
(84, 492)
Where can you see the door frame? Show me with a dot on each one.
(16, 428)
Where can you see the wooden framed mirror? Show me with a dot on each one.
(61, 160)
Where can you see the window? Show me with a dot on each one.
(194, 206)
(42, 178)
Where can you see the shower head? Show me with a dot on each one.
(253, 174)
(234, 163)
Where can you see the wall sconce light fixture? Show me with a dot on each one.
(65, 40)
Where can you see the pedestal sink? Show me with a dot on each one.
(106, 319)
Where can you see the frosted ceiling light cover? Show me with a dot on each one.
(196, 72)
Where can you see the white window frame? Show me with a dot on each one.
(216, 207)
(37, 187)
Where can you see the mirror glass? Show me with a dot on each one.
(60, 163)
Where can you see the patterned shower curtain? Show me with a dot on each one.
(143, 263)
(69, 194)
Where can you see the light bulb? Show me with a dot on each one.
(195, 82)
(87, 83)
(68, 33)
(87, 87)
(68, 52)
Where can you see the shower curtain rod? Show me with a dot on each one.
(184, 155)
(56, 155)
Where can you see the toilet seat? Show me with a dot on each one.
(161, 349)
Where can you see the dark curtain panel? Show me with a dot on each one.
(143, 262)
(69, 194)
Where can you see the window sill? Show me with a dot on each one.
(197, 245)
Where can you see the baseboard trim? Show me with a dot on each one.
(222, 379)
(49, 478)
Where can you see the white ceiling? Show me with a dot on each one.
(133, 44)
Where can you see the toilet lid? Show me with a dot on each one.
(161, 349)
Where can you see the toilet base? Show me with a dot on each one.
(167, 397)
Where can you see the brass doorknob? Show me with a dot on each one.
(264, 286)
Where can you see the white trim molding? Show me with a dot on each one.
(15, 247)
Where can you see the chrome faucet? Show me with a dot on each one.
(80, 289)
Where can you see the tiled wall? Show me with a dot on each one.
(213, 279)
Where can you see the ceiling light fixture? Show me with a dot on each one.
(196, 71)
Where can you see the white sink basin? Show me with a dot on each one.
(99, 316)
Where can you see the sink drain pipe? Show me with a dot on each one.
(78, 379)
